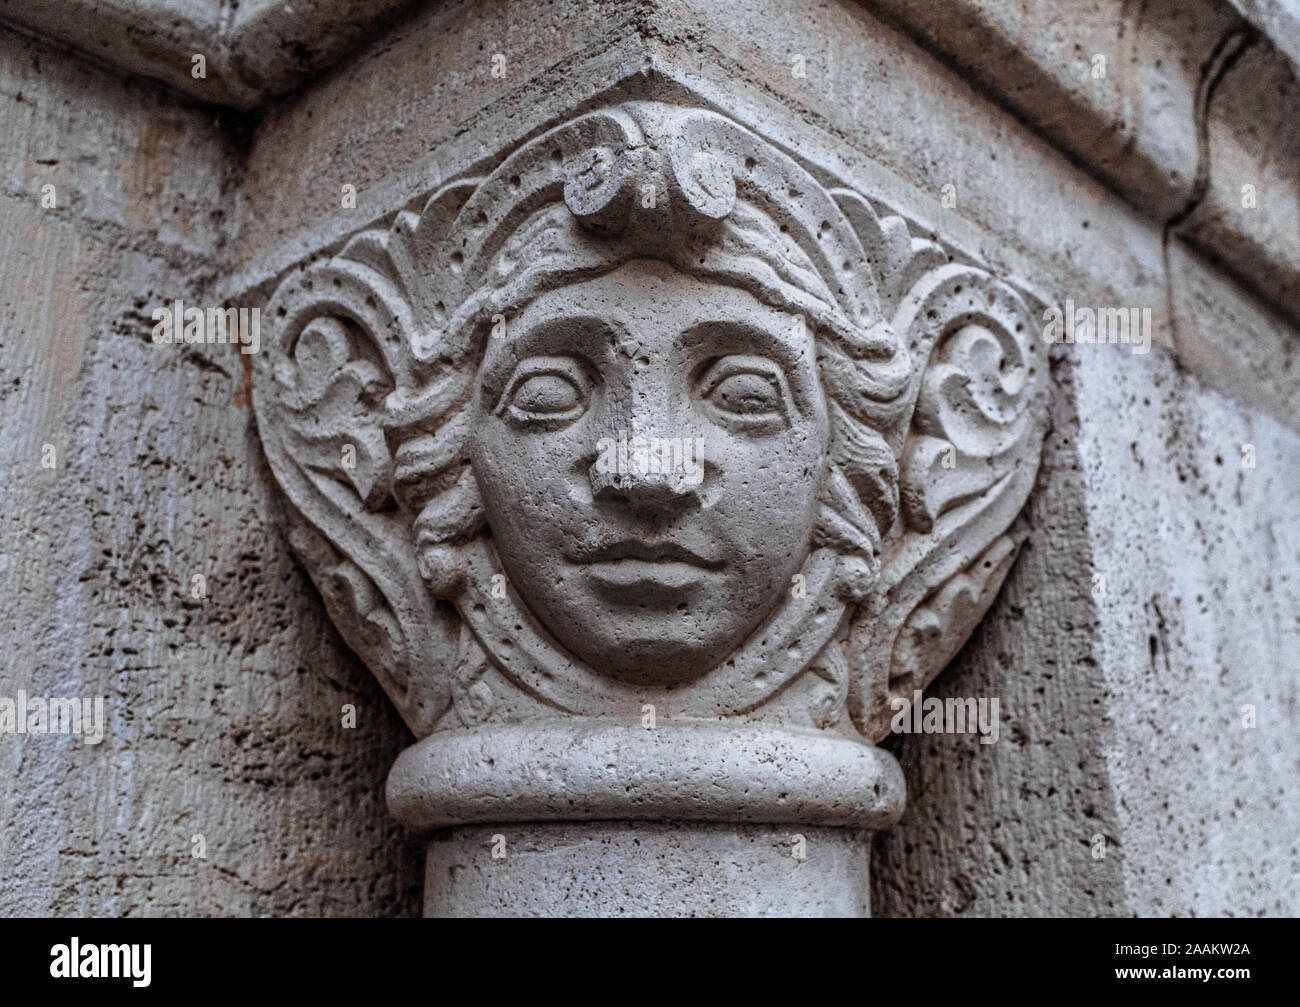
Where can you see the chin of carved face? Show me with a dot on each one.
(649, 448)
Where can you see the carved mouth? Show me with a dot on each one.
(665, 553)
(645, 571)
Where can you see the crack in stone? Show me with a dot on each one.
(1229, 49)
(1235, 42)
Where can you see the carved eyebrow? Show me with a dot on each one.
(779, 338)
(571, 331)
(732, 337)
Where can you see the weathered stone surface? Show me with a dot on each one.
(252, 51)
(1113, 84)
(1126, 89)
(1164, 102)
(581, 769)
(1006, 829)
(1199, 614)
(1249, 215)
(633, 869)
(223, 713)
(1125, 712)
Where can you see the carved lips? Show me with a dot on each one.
(636, 571)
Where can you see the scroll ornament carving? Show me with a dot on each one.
(870, 414)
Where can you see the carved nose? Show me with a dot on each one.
(644, 491)
(648, 459)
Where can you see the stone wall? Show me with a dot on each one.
(223, 712)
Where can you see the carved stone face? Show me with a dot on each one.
(694, 400)
(648, 446)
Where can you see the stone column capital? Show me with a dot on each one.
(651, 471)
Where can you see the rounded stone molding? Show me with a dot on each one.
(583, 769)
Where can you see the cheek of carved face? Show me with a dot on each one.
(649, 447)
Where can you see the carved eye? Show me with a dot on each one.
(546, 395)
(747, 394)
(747, 390)
(546, 390)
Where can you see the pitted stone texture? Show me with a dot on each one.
(633, 869)
(1005, 829)
(1155, 599)
(588, 768)
(223, 715)
(1199, 632)
(253, 51)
